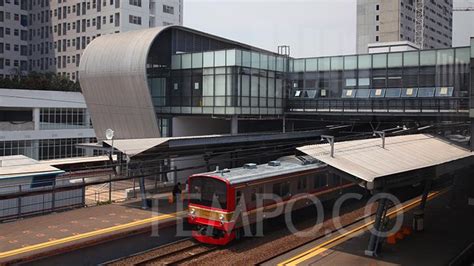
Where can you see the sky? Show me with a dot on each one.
(309, 27)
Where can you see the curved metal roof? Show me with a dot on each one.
(113, 79)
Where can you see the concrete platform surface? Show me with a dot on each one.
(448, 229)
(58, 232)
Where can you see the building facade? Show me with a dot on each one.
(392, 21)
(43, 125)
(140, 87)
(45, 35)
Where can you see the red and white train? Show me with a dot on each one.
(287, 178)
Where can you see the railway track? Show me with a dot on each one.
(171, 254)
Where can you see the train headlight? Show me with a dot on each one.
(221, 217)
(192, 212)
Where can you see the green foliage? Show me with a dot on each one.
(40, 81)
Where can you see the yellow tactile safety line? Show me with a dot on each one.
(86, 235)
(346, 236)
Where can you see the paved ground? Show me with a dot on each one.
(448, 230)
(26, 237)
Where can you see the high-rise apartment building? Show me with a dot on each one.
(50, 35)
(397, 20)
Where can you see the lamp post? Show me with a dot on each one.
(109, 135)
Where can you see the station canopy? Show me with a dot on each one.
(367, 161)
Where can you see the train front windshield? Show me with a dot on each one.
(208, 192)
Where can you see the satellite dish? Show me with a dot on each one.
(109, 134)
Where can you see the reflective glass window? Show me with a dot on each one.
(186, 61)
(197, 60)
(271, 62)
(462, 56)
(337, 63)
(380, 60)
(348, 93)
(427, 58)
(350, 62)
(208, 59)
(364, 82)
(263, 61)
(255, 60)
(365, 61)
(219, 59)
(444, 92)
(409, 92)
(395, 60)
(393, 93)
(176, 62)
(351, 82)
(246, 61)
(230, 54)
(363, 93)
(410, 58)
(445, 57)
(377, 93)
(324, 64)
(312, 93)
(426, 92)
(312, 64)
(298, 65)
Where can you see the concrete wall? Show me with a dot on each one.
(366, 23)
(389, 21)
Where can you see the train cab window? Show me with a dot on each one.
(208, 191)
(333, 180)
(256, 193)
(302, 183)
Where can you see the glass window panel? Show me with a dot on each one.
(238, 57)
(364, 82)
(263, 61)
(312, 64)
(312, 93)
(208, 59)
(351, 82)
(445, 57)
(337, 63)
(409, 92)
(472, 47)
(197, 60)
(363, 93)
(444, 92)
(350, 62)
(272, 62)
(380, 61)
(426, 92)
(324, 64)
(462, 56)
(348, 93)
(246, 59)
(186, 61)
(255, 60)
(410, 58)
(365, 61)
(427, 58)
(377, 93)
(393, 93)
(298, 65)
(281, 64)
(231, 57)
(176, 61)
(395, 60)
(219, 59)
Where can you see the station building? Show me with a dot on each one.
(174, 81)
(43, 125)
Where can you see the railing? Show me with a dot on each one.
(399, 105)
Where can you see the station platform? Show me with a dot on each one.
(448, 230)
(42, 236)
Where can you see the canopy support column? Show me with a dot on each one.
(143, 193)
(375, 238)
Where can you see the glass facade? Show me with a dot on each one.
(192, 73)
(427, 79)
(45, 149)
(64, 118)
